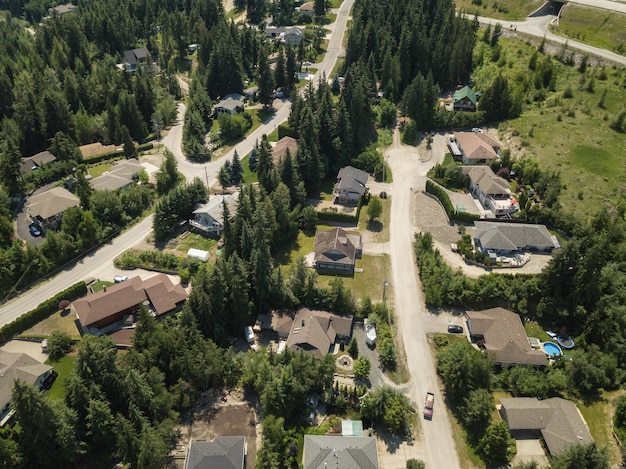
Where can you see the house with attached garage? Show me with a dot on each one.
(345, 452)
(224, 452)
(500, 333)
(18, 366)
(47, 209)
(135, 58)
(504, 238)
(336, 251)
(477, 147)
(556, 421)
(492, 191)
(120, 176)
(230, 104)
(316, 332)
(113, 307)
(351, 185)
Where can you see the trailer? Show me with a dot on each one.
(428, 406)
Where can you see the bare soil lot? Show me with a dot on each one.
(213, 417)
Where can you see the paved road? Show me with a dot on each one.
(604, 4)
(412, 316)
(538, 26)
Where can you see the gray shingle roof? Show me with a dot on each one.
(337, 452)
(504, 337)
(353, 180)
(17, 366)
(224, 452)
(558, 420)
(486, 180)
(50, 203)
(514, 236)
(231, 102)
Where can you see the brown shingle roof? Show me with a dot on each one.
(504, 336)
(336, 245)
(476, 146)
(280, 149)
(159, 290)
(315, 331)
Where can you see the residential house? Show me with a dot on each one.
(120, 176)
(556, 420)
(325, 452)
(465, 99)
(336, 251)
(134, 58)
(512, 237)
(280, 149)
(103, 311)
(307, 9)
(293, 36)
(46, 209)
(224, 452)
(18, 366)
(493, 192)
(62, 9)
(278, 322)
(501, 334)
(35, 162)
(231, 104)
(208, 219)
(477, 147)
(351, 185)
(315, 332)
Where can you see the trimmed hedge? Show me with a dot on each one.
(41, 312)
(116, 153)
(342, 217)
(444, 198)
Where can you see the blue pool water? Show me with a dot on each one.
(551, 349)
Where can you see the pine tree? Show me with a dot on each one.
(236, 170)
(265, 80)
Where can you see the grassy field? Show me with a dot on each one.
(594, 26)
(59, 321)
(570, 135)
(509, 10)
(535, 330)
(64, 367)
(100, 168)
(598, 415)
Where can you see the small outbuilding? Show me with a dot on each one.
(198, 254)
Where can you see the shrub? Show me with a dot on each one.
(59, 345)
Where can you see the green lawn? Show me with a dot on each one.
(249, 176)
(533, 329)
(59, 321)
(194, 240)
(598, 415)
(595, 26)
(64, 367)
(100, 168)
(509, 10)
(96, 287)
(326, 189)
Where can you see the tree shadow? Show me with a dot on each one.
(375, 226)
(392, 442)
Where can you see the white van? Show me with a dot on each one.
(249, 334)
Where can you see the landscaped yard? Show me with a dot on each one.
(100, 168)
(64, 367)
(598, 416)
(60, 321)
(594, 26)
(533, 329)
(302, 246)
(379, 228)
(96, 287)
(194, 240)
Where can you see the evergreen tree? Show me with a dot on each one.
(265, 80)
(236, 170)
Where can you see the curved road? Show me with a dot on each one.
(538, 25)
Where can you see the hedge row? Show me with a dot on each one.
(441, 194)
(444, 198)
(285, 131)
(41, 312)
(342, 217)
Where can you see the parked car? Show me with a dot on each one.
(454, 329)
(49, 380)
(34, 230)
(120, 278)
(429, 403)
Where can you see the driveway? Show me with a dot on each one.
(30, 348)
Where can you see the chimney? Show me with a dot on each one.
(303, 323)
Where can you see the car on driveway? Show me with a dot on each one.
(120, 278)
(454, 329)
(34, 230)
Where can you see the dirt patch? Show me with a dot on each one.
(212, 416)
(97, 148)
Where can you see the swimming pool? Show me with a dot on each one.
(551, 349)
